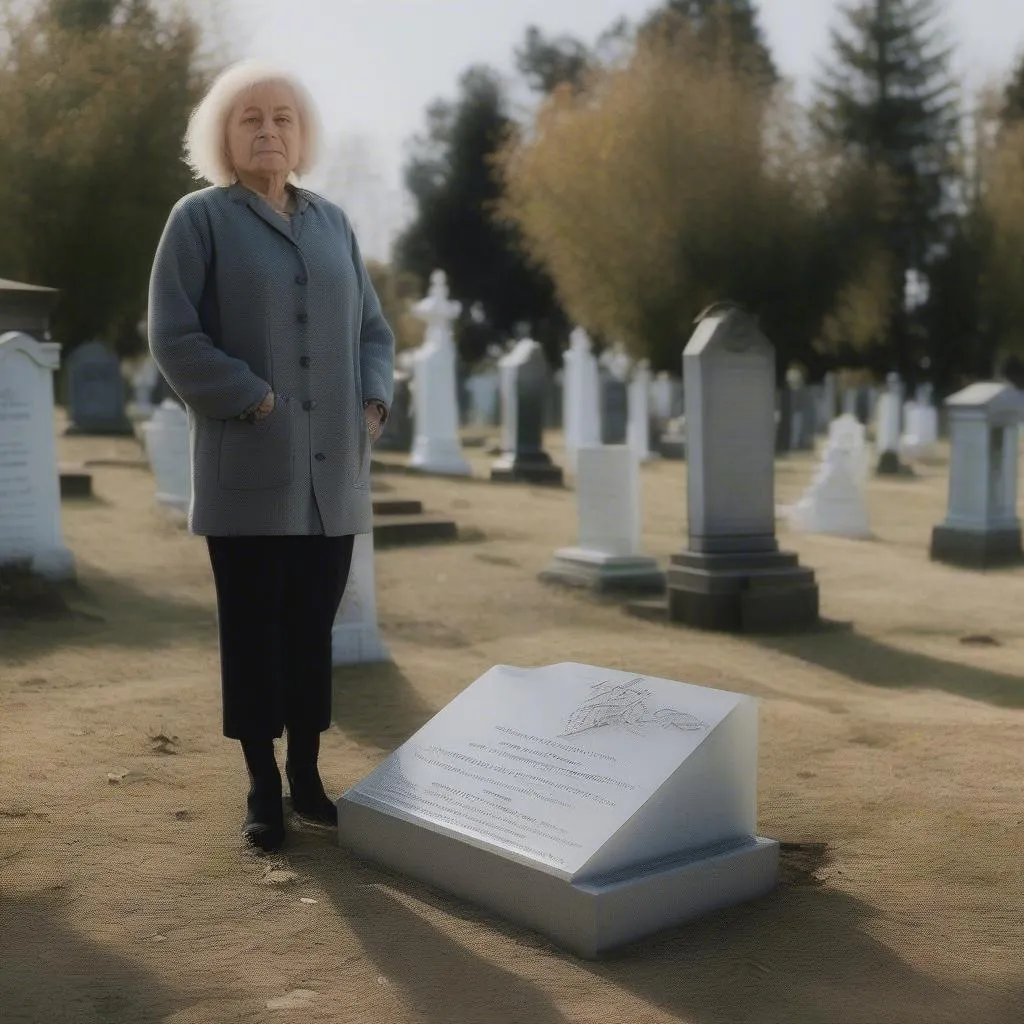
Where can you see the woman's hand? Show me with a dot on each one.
(265, 408)
(373, 421)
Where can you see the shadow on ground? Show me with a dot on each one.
(803, 955)
(51, 974)
(104, 610)
(377, 705)
(866, 660)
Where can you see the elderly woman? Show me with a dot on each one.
(264, 322)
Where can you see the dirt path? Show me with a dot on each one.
(125, 897)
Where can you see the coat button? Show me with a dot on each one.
(300, 278)
(319, 456)
(304, 362)
(301, 317)
(308, 405)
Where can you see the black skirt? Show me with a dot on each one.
(276, 602)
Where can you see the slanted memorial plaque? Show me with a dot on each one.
(593, 805)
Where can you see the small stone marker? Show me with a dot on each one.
(593, 805)
(166, 440)
(733, 577)
(887, 430)
(525, 382)
(607, 557)
(30, 523)
(355, 637)
(437, 446)
(981, 528)
(96, 400)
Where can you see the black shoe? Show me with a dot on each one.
(263, 827)
(309, 800)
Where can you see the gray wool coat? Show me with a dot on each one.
(242, 302)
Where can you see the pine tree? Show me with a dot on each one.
(1013, 105)
(888, 97)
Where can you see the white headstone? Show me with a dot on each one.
(143, 384)
(166, 440)
(484, 395)
(616, 361)
(592, 804)
(920, 430)
(30, 524)
(355, 638)
(834, 503)
(662, 397)
(582, 403)
(848, 434)
(888, 408)
(437, 446)
(638, 429)
(607, 555)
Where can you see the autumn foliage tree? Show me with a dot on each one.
(94, 99)
(673, 182)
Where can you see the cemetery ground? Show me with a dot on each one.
(890, 758)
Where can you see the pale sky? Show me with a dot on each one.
(374, 65)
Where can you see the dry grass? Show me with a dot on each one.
(890, 759)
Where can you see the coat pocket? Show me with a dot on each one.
(363, 454)
(257, 456)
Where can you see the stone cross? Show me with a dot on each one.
(437, 445)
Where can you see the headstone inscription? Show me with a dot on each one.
(355, 636)
(96, 399)
(30, 523)
(166, 439)
(525, 381)
(607, 556)
(593, 805)
(981, 528)
(733, 576)
(437, 446)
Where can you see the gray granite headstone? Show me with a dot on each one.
(733, 576)
(96, 393)
(525, 382)
(614, 409)
(397, 435)
(783, 426)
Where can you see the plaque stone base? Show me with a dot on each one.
(589, 918)
(763, 592)
(444, 457)
(976, 549)
(527, 469)
(605, 573)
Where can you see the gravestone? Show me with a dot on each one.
(25, 309)
(553, 417)
(592, 805)
(849, 434)
(607, 556)
(437, 446)
(834, 503)
(582, 402)
(672, 442)
(484, 388)
(525, 379)
(981, 528)
(398, 430)
(887, 428)
(30, 523)
(355, 636)
(166, 440)
(783, 420)
(803, 419)
(96, 400)
(829, 405)
(662, 398)
(614, 408)
(638, 431)
(733, 576)
(144, 386)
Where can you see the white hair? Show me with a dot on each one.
(206, 149)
